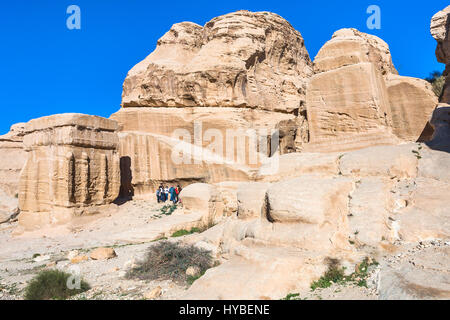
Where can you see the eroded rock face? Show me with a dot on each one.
(186, 145)
(350, 46)
(411, 101)
(422, 274)
(356, 98)
(72, 167)
(439, 29)
(12, 159)
(241, 59)
(346, 207)
(205, 198)
(440, 122)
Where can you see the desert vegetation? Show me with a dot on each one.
(169, 261)
(52, 285)
(437, 81)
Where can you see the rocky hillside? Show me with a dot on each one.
(338, 169)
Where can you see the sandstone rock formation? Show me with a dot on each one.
(248, 76)
(193, 144)
(72, 167)
(205, 198)
(348, 206)
(440, 122)
(356, 98)
(420, 275)
(439, 29)
(241, 71)
(241, 59)
(12, 159)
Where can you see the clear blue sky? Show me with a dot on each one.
(47, 69)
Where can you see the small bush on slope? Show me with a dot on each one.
(52, 284)
(335, 274)
(169, 261)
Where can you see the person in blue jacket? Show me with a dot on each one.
(173, 195)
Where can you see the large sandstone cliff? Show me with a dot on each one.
(250, 70)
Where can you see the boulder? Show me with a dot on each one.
(349, 46)
(153, 294)
(103, 254)
(440, 122)
(78, 259)
(411, 101)
(250, 198)
(357, 99)
(204, 198)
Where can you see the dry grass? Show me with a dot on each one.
(169, 261)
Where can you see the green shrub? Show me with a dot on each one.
(437, 81)
(292, 296)
(184, 232)
(52, 284)
(168, 209)
(169, 261)
(335, 274)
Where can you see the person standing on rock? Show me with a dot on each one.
(177, 191)
(158, 195)
(162, 194)
(173, 195)
(166, 191)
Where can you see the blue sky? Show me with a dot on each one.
(47, 68)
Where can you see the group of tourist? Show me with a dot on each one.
(165, 193)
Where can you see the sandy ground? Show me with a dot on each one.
(130, 229)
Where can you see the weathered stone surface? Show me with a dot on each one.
(241, 59)
(347, 102)
(308, 199)
(356, 99)
(103, 254)
(193, 144)
(411, 101)
(72, 166)
(439, 29)
(250, 197)
(79, 259)
(204, 198)
(389, 161)
(8, 206)
(296, 164)
(423, 276)
(12, 159)
(428, 216)
(434, 165)
(440, 122)
(350, 46)
(368, 212)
